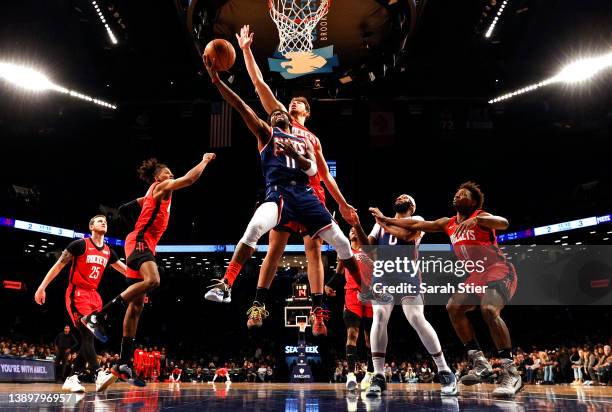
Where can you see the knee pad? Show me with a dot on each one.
(336, 238)
(264, 219)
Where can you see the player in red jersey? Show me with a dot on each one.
(472, 233)
(140, 252)
(156, 364)
(223, 373)
(149, 364)
(299, 110)
(89, 258)
(355, 311)
(139, 357)
(175, 375)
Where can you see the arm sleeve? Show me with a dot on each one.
(76, 248)
(129, 212)
(113, 257)
(375, 231)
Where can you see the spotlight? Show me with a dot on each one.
(496, 19)
(576, 72)
(33, 80)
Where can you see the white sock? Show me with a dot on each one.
(441, 362)
(379, 365)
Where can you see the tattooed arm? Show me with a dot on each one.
(40, 294)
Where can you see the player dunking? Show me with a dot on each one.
(299, 110)
(140, 253)
(412, 306)
(355, 312)
(287, 161)
(89, 257)
(472, 233)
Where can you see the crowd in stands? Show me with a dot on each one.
(579, 365)
(257, 368)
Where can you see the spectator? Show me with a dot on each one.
(425, 374)
(602, 369)
(577, 360)
(590, 362)
(388, 372)
(532, 370)
(65, 343)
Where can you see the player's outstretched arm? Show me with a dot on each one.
(485, 220)
(267, 98)
(40, 294)
(407, 235)
(120, 267)
(162, 189)
(258, 127)
(411, 224)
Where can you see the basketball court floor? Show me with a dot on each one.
(303, 398)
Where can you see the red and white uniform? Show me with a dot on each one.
(139, 355)
(157, 362)
(149, 228)
(315, 181)
(480, 244)
(221, 372)
(351, 288)
(87, 269)
(148, 364)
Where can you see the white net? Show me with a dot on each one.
(296, 20)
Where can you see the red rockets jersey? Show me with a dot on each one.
(153, 219)
(176, 371)
(221, 372)
(88, 267)
(476, 243)
(300, 131)
(156, 357)
(149, 359)
(139, 355)
(366, 267)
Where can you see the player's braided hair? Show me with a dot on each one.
(149, 169)
(475, 191)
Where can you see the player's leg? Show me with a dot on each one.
(378, 342)
(276, 246)
(458, 305)
(147, 271)
(312, 246)
(367, 327)
(72, 382)
(352, 322)
(491, 306)
(414, 310)
(264, 219)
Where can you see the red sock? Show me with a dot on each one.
(232, 271)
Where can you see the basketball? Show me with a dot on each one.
(222, 52)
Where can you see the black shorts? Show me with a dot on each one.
(136, 255)
(352, 320)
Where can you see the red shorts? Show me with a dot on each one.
(136, 253)
(353, 304)
(81, 302)
(502, 277)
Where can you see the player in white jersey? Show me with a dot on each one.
(412, 305)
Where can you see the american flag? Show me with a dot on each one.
(220, 124)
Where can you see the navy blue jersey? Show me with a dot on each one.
(279, 169)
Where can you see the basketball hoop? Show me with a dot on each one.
(295, 21)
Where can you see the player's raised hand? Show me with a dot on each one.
(40, 296)
(245, 38)
(376, 213)
(464, 226)
(349, 214)
(210, 67)
(208, 157)
(287, 149)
